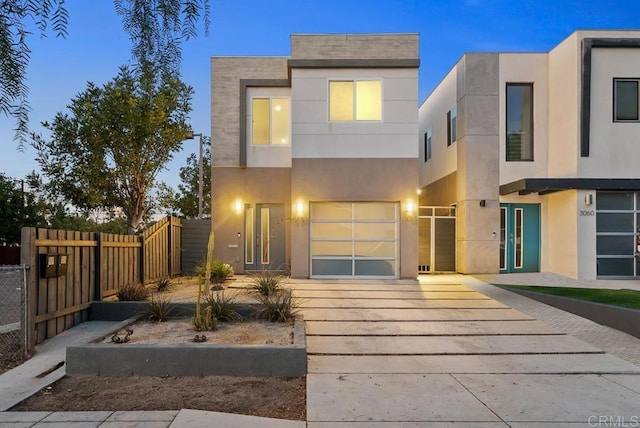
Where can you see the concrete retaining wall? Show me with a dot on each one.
(197, 359)
(623, 319)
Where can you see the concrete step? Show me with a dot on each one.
(436, 345)
(390, 294)
(532, 363)
(382, 314)
(435, 328)
(400, 304)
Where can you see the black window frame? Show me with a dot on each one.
(428, 138)
(615, 99)
(452, 132)
(531, 158)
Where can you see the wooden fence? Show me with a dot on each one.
(97, 264)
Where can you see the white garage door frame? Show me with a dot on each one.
(354, 240)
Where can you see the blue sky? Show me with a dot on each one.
(96, 45)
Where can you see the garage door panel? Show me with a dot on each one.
(375, 230)
(376, 249)
(332, 248)
(332, 211)
(331, 267)
(375, 267)
(331, 231)
(375, 211)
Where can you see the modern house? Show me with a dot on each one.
(539, 153)
(315, 158)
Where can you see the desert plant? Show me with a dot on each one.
(223, 306)
(205, 321)
(133, 292)
(219, 271)
(266, 283)
(158, 309)
(279, 306)
(164, 284)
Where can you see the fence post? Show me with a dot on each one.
(98, 266)
(28, 260)
(141, 261)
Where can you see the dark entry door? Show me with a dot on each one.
(519, 238)
(265, 237)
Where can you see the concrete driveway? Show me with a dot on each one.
(440, 353)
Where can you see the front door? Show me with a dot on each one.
(264, 237)
(519, 238)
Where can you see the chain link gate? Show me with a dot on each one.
(13, 316)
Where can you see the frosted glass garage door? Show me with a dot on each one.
(354, 239)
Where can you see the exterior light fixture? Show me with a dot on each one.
(588, 199)
(299, 210)
(410, 208)
(237, 206)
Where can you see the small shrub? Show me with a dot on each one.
(205, 321)
(164, 284)
(224, 307)
(279, 306)
(266, 283)
(158, 309)
(220, 271)
(133, 292)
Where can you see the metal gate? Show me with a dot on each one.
(437, 239)
(13, 319)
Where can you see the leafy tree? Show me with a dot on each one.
(184, 202)
(17, 209)
(156, 28)
(107, 150)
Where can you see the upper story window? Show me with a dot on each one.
(355, 100)
(452, 119)
(625, 100)
(519, 144)
(427, 145)
(271, 121)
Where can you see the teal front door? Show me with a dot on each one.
(519, 238)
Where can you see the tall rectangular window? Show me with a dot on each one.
(271, 121)
(625, 104)
(359, 100)
(452, 119)
(519, 144)
(427, 145)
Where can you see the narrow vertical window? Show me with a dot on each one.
(503, 238)
(518, 246)
(264, 235)
(519, 144)
(427, 145)
(248, 235)
(452, 119)
(625, 106)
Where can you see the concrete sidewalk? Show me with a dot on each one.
(452, 363)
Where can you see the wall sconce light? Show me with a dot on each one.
(410, 208)
(237, 206)
(299, 210)
(588, 199)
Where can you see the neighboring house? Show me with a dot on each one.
(540, 155)
(315, 158)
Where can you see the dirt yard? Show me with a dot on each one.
(283, 398)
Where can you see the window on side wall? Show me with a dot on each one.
(355, 100)
(427, 145)
(452, 118)
(625, 100)
(271, 121)
(519, 144)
